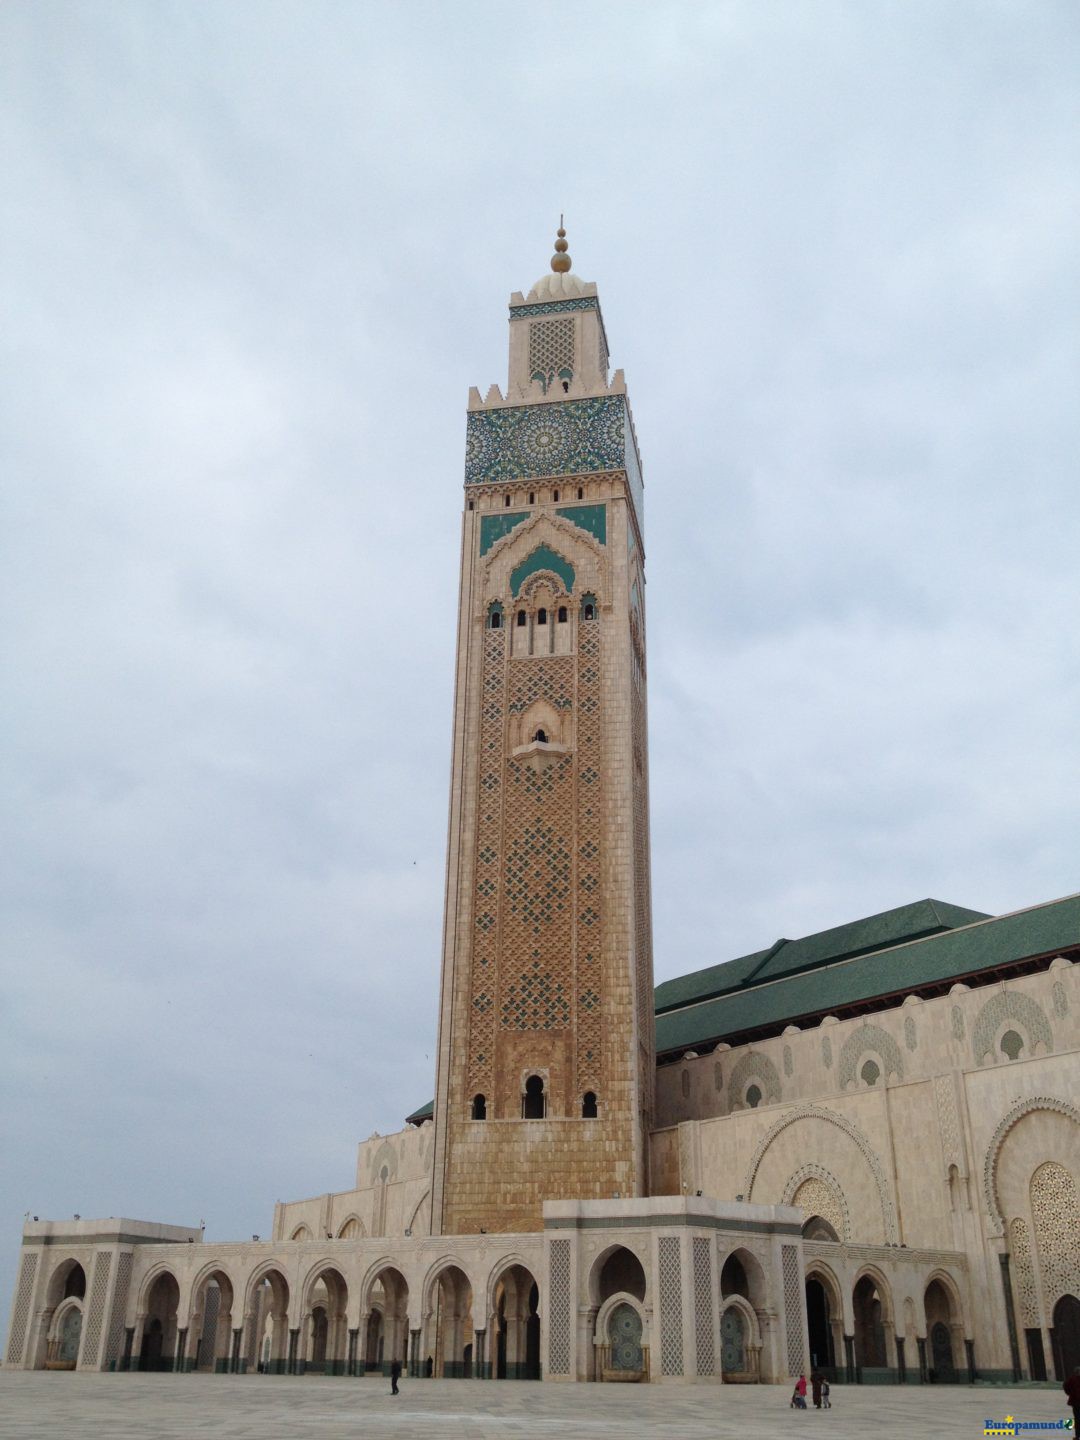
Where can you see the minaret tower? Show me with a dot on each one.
(545, 1069)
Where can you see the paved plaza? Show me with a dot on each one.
(35, 1404)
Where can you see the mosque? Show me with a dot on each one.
(856, 1151)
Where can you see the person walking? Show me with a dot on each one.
(815, 1385)
(1072, 1394)
(798, 1399)
(826, 1403)
(395, 1376)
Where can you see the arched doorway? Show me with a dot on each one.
(517, 1326)
(619, 1345)
(210, 1327)
(268, 1336)
(868, 1303)
(158, 1349)
(821, 1325)
(1066, 1336)
(324, 1328)
(942, 1334)
(386, 1334)
(61, 1318)
(450, 1327)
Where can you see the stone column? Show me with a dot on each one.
(924, 1369)
(969, 1351)
(236, 1361)
(181, 1348)
(294, 1352)
(849, 1359)
(1010, 1316)
(901, 1363)
(478, 1355)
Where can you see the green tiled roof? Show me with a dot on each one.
(789, 957)
(826, 984)
(426, 1112)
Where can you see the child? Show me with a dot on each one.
(826, 1403)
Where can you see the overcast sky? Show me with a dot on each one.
(254, 256)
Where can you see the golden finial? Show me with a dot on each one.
(560, 261)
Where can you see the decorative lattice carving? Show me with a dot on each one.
(718, 1076)
(753, 1066)
(1019, 1110)
(1015, 1006)
(95, 1317)
(20, 1315)
(589, 969)
(948, 1121)
(208, 1338)
(551, 350)
(705, 1343)
(826, 1052)
(488, 841)
(793, 1308)
(119, 1305)
(874, 1038)
(789, 1064)
(818, 1196)
(671, 1319)
(818, 1112)
(1057, 1223)
(1024, 1275)
(910, 1037)
(957, 1023)
(559, 1309)
(1061, 1000)
(554, 307)
(642, 886)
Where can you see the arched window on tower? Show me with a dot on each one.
(555, 497)
(534, 1101)
(495, 616)
(506, 502)
(588, 1105)
(580, 493)
(541, 736)
(532, 497)
(521, 619)
(479, 1108)
(541, 616)
(562, 614)
(588, 607)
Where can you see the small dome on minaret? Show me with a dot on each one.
(561, 283)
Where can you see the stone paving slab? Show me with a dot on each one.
(43, 1406)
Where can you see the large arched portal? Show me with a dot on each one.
(450, 1327)
(324, 1333)
(210, 1327)
(386, 1331)
(158, 1348)
(60, 1327)
(517, 1326)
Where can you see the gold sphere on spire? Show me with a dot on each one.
(560, 261)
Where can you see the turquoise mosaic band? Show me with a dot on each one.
(553, 307)
(524, 442)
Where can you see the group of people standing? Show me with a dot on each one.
(819, 1389)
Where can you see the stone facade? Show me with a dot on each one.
(887, 1193)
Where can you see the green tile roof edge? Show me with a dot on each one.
(425, 1112)
(932, 959)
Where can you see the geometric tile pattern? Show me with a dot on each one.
(553, 307)
(489, 826)
(705, 1345)
(551, 351)
(120, 1294)
(21, 1314)
(753, 1066)
(560, 1317)
(817, 1197)
(671, 1321)
(96, 1310)
(1057, 1222)
(529, 441)
(1024, 1274)
(793, 1308)
(590, 920)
